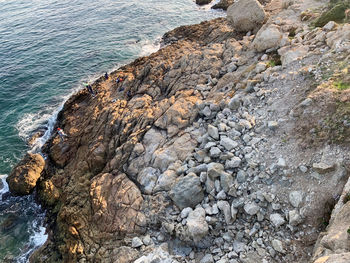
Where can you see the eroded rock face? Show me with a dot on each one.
(116, 204)
(246, 15)
(25, 175)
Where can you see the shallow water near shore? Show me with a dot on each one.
(48, 48)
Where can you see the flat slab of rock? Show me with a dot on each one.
(323, 168)
(24, 176)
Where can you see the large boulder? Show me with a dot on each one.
(187, 191)
(246, 15)
(268, 37)
(25, 175)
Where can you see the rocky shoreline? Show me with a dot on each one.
(212, 149)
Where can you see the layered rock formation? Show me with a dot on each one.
(202, 153)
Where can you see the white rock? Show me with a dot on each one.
(277, 220)
(281, 163)
(329, 26)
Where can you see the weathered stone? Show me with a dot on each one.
(228, 143)
(203, 2)
(224, 206)
(323, 168)
(223, 4)
(25, 175)
(251, 208)
(296, 198)
(294, 218)
(148, 178)
(277, 245)
(277, 220)
(215, 170)
(107, 193)
(208, 258)
(197, 225)
(268, 37)
(165, 181)
(136, 242)
(235, 102)
(226, 180)
(213, 132)
(214, 152)
(234, 162)
(187, 191)
(246, 15)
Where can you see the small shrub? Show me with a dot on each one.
(340, 85)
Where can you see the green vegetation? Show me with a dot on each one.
(340, 85)
(274, 61)
(336, 12)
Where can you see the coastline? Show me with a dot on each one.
(120, 174)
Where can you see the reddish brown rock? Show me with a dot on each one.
(24, 176)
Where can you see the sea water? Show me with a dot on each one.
(47, 49)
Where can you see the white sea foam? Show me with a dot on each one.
(5, 187)
(148, 47)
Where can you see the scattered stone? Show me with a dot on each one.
(277, 245)
(281, 163)
(294, 218)
(272, 125)
(296, 198)
(136, 242)
(208, 258)
(228, 143)
(303, 168)
(234, 103)
(323, 168)
(197, 225)
(213, 132)
(185, 212)
(251, 208)
(224, 206)
(277, 220)
(215, 170)
(233, 163)
(187, 191)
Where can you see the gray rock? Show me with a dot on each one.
(303, 168)
(165, 181)
(147, 240)
(277, 220)
(224, 206)
(148, 178)
(185, 212)
(228, 143)
(214, 152)
(187, 191)
(208, 258)
(213, 132)
(241, 176)
(251, 208)
(221, 195)
(234, 103)
(233, 163)
(272, 125)
(231, 67)
(281, 163)
(296, 198)
(215, 170)
(206, 111)
(198, 169)
(268, 37)
(277, 245)
(136, 242)
(294, 218)
(197, 225)
(226, 180)
(238, 247)
(323, 168)
(246, 15)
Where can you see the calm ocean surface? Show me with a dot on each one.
(47, 49)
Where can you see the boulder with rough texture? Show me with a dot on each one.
(187, 191)
(268, 37)
(196, 224)
(25, 175)
(246, 15)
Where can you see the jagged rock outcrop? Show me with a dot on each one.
(25, 175)
(223, 4)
